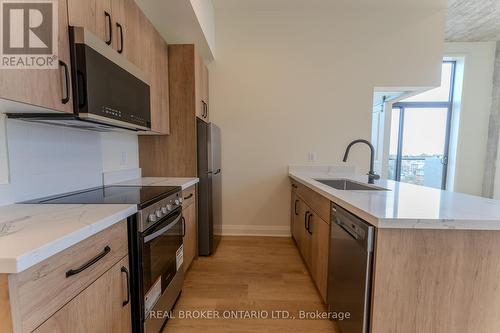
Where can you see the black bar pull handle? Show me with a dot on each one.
(183, 226)
(295, 207)
(108, 18)
(89, 263)
(305, 219)
(119, 26)
(81, 89)
(189, 196)
(309, 224)
(65, 100)
(125, 270)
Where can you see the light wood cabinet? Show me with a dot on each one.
(133, 35)
(157, 69)
(45, 88)
(102, 307)
(202, 109)
(104, 18)
(180, 145)
(311, 234)
(320, 240)
(296, 224)
(190, 235)
(80, 289)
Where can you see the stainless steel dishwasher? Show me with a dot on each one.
(350, 269)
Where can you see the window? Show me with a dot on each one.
(420, 134)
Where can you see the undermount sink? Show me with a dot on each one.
(349, 185)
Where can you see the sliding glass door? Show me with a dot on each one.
(420, 135)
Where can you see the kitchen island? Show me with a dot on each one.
(435, 259)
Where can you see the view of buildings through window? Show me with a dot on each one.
(419, 142)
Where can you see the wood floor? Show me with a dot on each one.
(249, 273)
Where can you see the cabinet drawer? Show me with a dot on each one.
(317, 202)
(40, 291)
(189, 196)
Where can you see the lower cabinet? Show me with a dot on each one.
(190, 242)
(104, 306)
(320, 240)
(312, 236)
(84, 288)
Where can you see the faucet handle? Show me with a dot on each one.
(373, 175)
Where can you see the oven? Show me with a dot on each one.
(158, 263)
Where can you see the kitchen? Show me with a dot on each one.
(197, 146)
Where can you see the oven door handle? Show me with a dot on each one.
(157, 233)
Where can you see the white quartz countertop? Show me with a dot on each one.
(31, 233)
(183, 182)
(405, 206)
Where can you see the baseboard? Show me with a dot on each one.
(256, 230)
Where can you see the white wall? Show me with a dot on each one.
(204, 11)
(475, 64)
(46, 160)
(289, 82)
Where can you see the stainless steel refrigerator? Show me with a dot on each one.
(209, 187)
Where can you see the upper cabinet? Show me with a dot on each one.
(46, 88)
(203, 109)
(104, 18)
(123, 27)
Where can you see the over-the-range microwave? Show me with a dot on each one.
(109, 92)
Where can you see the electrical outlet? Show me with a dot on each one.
(311, 156)
(123, 158)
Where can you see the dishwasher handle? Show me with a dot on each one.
(347, 229)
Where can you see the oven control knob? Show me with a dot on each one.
(164, 210)
(158, 213)
(152, 218)
(169, 207)
(181, 200)
(177, 202)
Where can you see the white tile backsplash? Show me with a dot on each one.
(46, 160)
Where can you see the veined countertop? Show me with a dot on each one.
(31, 233)
(404, 206)
(183, 182)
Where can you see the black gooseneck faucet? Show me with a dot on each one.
(371, 174)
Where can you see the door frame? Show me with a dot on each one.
(428, 105)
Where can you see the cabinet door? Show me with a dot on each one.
(42, 87)
(201, 77)
(82, 13)
(296, 225)
(204, 80)
(198, 86)
(94, 15)
(101, 308)
(133, 41)
(320, 240)
(160, 121)
(190, 237)
(305, 237)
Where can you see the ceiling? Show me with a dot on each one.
(473, 20)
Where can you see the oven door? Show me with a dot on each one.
(161, 258)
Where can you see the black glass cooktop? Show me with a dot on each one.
(140, 195)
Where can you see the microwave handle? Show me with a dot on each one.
(81, 85)
(157, 233)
